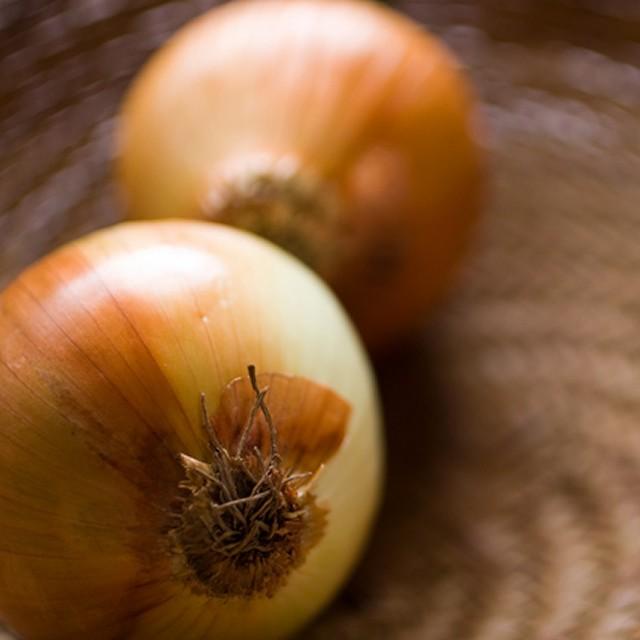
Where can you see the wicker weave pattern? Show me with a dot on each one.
(513, 508)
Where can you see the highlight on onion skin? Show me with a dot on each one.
(189, 439)
(338, 129)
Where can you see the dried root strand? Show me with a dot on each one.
(241, 520)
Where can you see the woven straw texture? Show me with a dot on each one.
(513, 501)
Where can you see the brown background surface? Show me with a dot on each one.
(513, 500)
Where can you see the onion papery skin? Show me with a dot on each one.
(105, 349)
(357, 119)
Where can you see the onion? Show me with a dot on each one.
(338, 129)
(189, 439)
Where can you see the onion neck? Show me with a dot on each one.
(282, 201)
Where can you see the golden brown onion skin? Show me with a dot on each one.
(359, 99)
(105, 348)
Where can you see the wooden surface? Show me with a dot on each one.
(512, 508)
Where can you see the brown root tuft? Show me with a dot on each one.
(242, 522)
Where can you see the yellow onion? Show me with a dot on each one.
(189, 439)
(339, 129)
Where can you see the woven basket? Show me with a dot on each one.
(513, 502)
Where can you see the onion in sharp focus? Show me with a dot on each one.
(337, 128)
(152, 483)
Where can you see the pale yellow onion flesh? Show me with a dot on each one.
(352, 96)
(106, 346)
